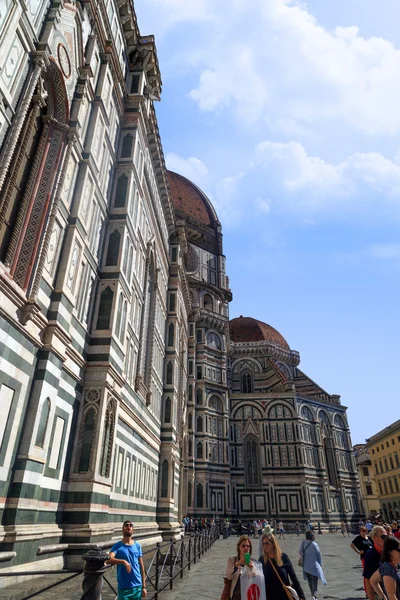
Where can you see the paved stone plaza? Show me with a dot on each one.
(204, 581)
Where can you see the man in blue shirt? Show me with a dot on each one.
(127, 555)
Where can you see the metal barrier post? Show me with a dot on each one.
(189, 552)
(171, 565)
(92, 583)
(157, 574)
(194, 549)
(182, 554)
(203, 539)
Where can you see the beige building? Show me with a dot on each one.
(384, 449)
(368, 488)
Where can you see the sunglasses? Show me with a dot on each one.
(128, 525)
(383, 536)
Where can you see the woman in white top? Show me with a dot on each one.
(235, 566)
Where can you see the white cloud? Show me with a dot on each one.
(385, 251)
(289, 70)
(192, 168)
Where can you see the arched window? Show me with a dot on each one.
(119, 314)
(214, 454)
(169, 372)
(208, 302)
(199, 396)
(43, 422)
(199, 453)
(113, 248)
(199, 495)
(171, 334)
(323, 417)
(121, 191)
(190, 421)
(189, 501)
(214, 341)
(87, 441)
(105, 306)
(190, 394)
(251, 461)
(200, 424)
(190, 447)
(164, 479)
(167, 415)
(215, 403)
(307, 414)
(247, 383)
(127, 143)
(123, 320)
(106, 452)
(130, 263)
(339, 422)
(330, 461)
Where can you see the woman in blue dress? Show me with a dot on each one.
(387, 573)
(310, 559)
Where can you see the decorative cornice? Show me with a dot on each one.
(265, 348)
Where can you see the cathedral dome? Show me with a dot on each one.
(190, 202)
(246, 329)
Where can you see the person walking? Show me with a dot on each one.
(311, 561)
(281, 530)
(361, 544)
(343, 528)
(388, 573)
(278, 570)
(131, 575)
(239, 528)
(373, 557)
(234, 569)
(297, 528)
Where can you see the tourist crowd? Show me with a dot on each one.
(377, 544)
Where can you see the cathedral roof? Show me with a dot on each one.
(247, 329)
(190, 201)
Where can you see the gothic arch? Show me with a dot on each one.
(249, 363)
(280, 410)
(251, 446)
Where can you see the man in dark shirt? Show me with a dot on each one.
(373, 557)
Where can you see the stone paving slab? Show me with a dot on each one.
(204, 581)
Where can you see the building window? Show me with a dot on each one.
(251, 461)
(368, 489)
(169, 372)
(200, 424)
(171, 334)
(121, 191)
(199, 336)
(113, 248)
(107, 445)
(199, 396)
(164, 479)
(199, 453)
(365, 471)
(190, 393)
(190, 448)
(190, 421)
(127, 143)
(247, 383)
(87, 441)
(167, 415)
(172, 302)
(199, 495)
(208, 302)
(199, 372)
(214, 341)
(105, 306)
(190, 367)
(174, 254)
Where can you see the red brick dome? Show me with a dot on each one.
(190, 201)
(246, 329)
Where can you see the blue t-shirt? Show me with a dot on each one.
(131, 553)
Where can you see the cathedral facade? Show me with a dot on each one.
(125, 391)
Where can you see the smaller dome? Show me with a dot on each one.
(247, 329)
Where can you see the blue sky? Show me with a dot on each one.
(287, 114)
